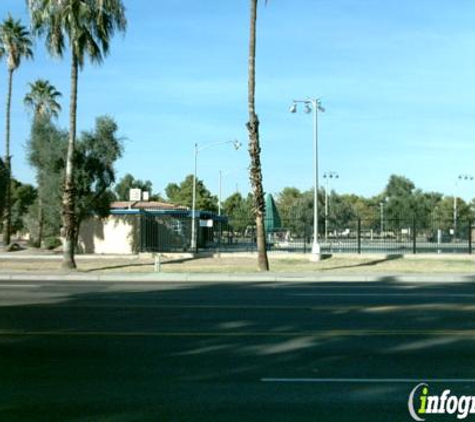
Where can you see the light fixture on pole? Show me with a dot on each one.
(236, 144)
(465, 177)
(327, 176)
(221, 175)
(313, 104)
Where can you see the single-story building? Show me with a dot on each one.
(134, 227)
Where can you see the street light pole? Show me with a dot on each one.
(220, 183)
(221, 175)
(197, 150)
(313, 104)
(193, 202)
(327, 176)
(460, 177)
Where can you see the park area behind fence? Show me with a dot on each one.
(389, 236)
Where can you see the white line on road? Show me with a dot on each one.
(18, 286)
(382, 295)
(369, 380)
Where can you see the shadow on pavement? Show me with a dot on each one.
(366, 264)
(216, 352)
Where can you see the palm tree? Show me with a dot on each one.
(86, 27)
(15, 44)
(42, 100)
(255, 149)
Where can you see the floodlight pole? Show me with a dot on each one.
(327, 176)
(220, 190)
(460, 177)
(313, 104)
(194, 213)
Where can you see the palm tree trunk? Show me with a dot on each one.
(7, 220)
(255, 149)
(69, 217)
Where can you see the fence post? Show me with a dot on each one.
(220, 235)
(139, 233)
(414, 237)
(305, 238)
(470, 237)
(359, 235)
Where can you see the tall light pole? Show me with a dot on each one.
(197, 150)
(381, 207)
(327, 176)
(220, 190)
(221, 174)
(313, 104)
(460, 177)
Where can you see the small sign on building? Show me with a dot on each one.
(206, 223)
(135, 195)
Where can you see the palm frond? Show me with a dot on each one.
(86, 26)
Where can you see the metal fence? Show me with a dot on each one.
(391, 236)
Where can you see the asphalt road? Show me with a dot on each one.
(231, 352)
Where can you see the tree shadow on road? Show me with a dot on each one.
(207, 351)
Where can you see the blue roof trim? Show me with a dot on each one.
(180, 213)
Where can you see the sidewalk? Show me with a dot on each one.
(236, 278)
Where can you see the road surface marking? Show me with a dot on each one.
(19, 286)
(384, 295)
(450, 307)
(369, 380)
(316, 334)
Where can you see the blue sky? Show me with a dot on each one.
(396, 79)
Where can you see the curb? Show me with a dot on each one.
(239, 278)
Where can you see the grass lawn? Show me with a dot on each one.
(339, 264)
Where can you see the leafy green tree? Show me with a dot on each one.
(255, 148)
(341, 212)
(287, 200)
(296, 210)
(15, 45)
(46, 153)
(182, 194)
(239, 211)
(23, 196)
(42, 101)
(86, 27)
(399, 186)
(400, 204)
(96, 155)
(128, 182)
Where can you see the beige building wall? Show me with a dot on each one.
(112, 235)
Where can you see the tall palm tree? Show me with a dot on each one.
(15, 44)
(42, 100)
(86, 27)
(255, 148)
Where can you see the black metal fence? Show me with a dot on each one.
(391, 236)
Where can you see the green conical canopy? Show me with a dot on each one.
(272, 220)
